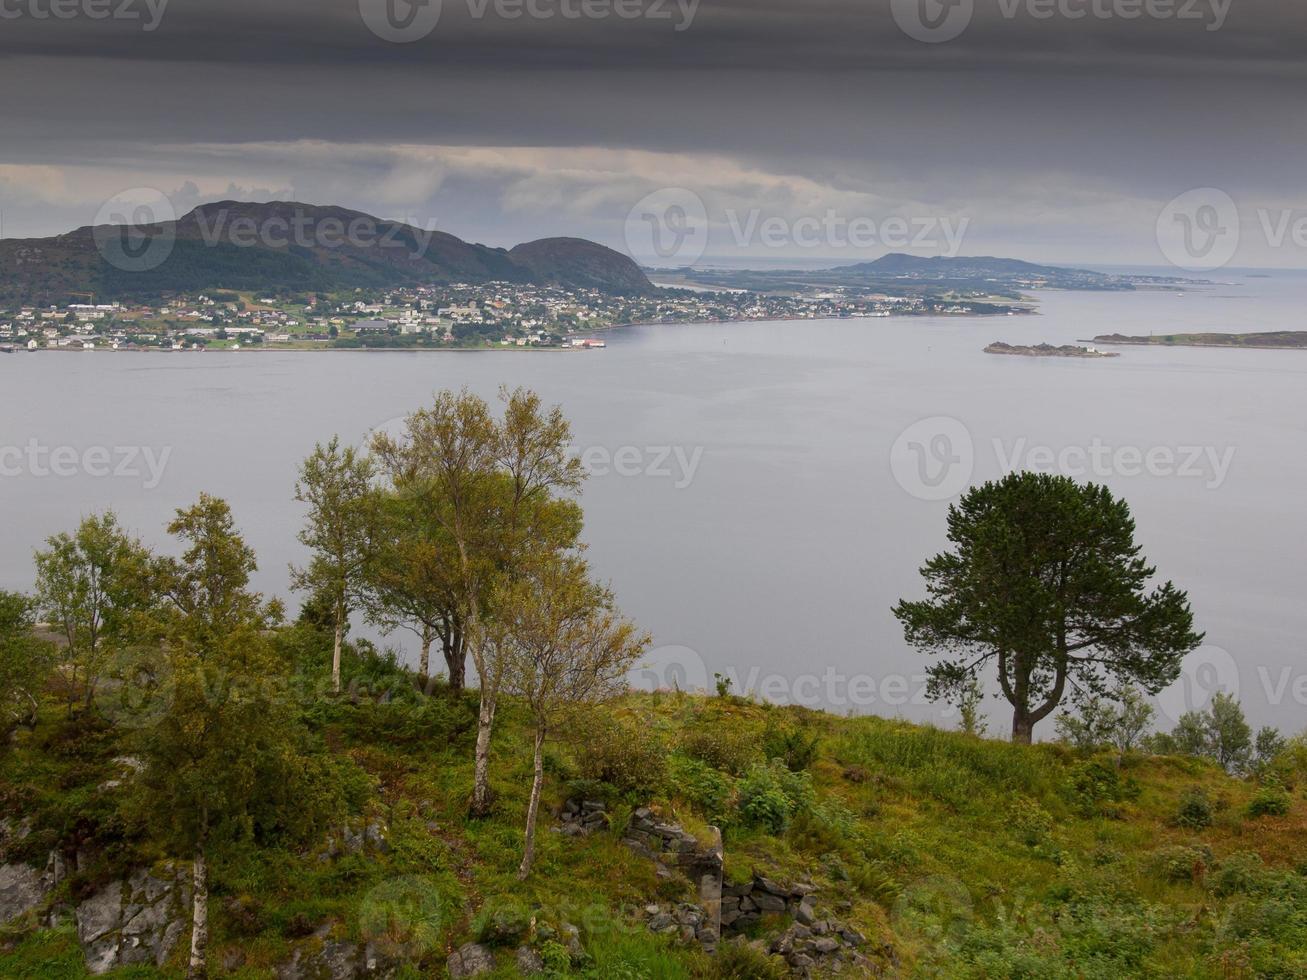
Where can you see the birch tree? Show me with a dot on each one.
(25, 663)
(412, 583)
(340, 530)
(561, 644)
(88, 585)
(498, 491)
(220, 759)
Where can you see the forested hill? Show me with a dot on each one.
(247, 246)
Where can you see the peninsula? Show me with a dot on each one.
(1274, 340)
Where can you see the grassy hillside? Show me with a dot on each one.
(954, 856)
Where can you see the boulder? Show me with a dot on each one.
(22, 889)
(529, 962)
(471, 960)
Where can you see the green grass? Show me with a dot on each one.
(955, 856)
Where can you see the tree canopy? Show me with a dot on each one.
(1046, 585)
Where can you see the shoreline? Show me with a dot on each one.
(260, 349)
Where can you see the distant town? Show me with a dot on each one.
(493, 315)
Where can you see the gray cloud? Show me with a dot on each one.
(1058, 139)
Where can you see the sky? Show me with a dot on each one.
(756, 132)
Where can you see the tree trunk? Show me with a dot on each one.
(1023, 729)
(456, 660)
(481, 787)
(533, 808)
(424, 661)
(335, 653)
(198, 968)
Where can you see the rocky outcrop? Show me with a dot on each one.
(822, 945)
(337, 961)
(357, 837)
(136, 920)
(23, 889)
(581, 818)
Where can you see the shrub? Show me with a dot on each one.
(771, 795)
(1239, 874)
(626, 755)
(1096, 782)
(729, 748)
(1270, 800)
(1195, 811)
(1031, 821)
(1181, 863)
(790, 744)
(703, 787)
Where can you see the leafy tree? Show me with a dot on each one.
(1267, 747)
(497, 491)
(25, 663)
(413, 583)
(1220, 733)
(221, 753)
(561, 645)
(1099, 722)
(1133, 719)
(1046, 585)
(336, 484)
(1090, 726)
(89, 584)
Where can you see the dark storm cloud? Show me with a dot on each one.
(1028, 123)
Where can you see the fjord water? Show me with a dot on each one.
(750, 514)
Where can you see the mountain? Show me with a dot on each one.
(289, 246)
(580, 263)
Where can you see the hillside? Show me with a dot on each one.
(284, 245)
(901, 850)
(972, 269)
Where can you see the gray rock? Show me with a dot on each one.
(100, 913)
(471, 960)
(22, 888)
(768, 902)
(339, 960)
(529, 962)
(805, 914)
(662, 922)
(826, 946)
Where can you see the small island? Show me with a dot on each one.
(1274, 340)
(1046, 350)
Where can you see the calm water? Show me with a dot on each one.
(752, 510)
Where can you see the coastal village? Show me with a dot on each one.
(494, 315)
